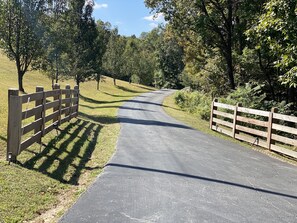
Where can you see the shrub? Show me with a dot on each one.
(194, 102)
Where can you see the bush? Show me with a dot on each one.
(194, 102)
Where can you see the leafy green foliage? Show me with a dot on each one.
(194, 102)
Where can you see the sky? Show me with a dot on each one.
(130, 16)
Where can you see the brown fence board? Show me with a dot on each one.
(32, 97)
(283, 139)
(252, 121)
(221, 105)
(51, 116)
(224, 131)
(251, 140)
(31, 126)
(225, 123)
(253, 111)
(284, 151)
(223, 114)
(284, 128)
(25, 144)
(51, 104)
(287, 118)
(51, 93)
(31, 112)
(251, 131)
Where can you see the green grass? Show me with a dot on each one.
(48, 179)
(196, 122)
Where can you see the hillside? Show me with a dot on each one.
(47, 180)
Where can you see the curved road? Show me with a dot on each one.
(164, 171)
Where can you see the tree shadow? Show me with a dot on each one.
(128, 90)
(121, 107)
(91, 100)
(217, 181)
(66, 156)
(99, 119)
(3, 138)
(152, 123)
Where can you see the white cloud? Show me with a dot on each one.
(100, 6)
(158, 17)
(153, 25)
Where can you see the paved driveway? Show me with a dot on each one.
(164, 171)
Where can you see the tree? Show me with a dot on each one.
(102, 42)
(20, 33)
(81, 34)
(113, 58)
(275, 38)
(52, 61)
(171, 60)
(217, 23)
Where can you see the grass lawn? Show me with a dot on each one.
(48, 179)
(196, 122)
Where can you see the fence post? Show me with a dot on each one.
(14, 124)
(77, 95)
(67, 105)
(57, 97)
(269, 128)
(235, 119)
(211, 112)
(39, 115)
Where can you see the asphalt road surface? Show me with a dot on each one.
(164, 171)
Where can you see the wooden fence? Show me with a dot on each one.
(271, 130)
(32, 116)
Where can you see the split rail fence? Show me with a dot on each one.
(32, 116)
(271, 130)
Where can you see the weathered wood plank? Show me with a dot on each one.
(283, 139)
(52, 104)
(52, 116)
(223, 114)
(31, 112)
(284, 151)
(32, 97)
(225, 123)
(251, 131)
(221, 105)
(51, 93)
(251, 140)
(66, 101)
(252, 121)
(288, 118)
(25, 144)
(49, 128)
(284, 128)
(253, 111)
(221, 130)
(32, 126)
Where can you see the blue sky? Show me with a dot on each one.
(130, 16)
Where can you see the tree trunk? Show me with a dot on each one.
(98, 78)
(229, 58)
(114, 81)
(230, 71)
(20, 81)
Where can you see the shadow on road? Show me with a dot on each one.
(152, 122)
(203, 179)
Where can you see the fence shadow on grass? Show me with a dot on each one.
(66, 156)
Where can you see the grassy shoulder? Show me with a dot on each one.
(48, 179)
(196, 122)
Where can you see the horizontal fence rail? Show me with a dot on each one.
(271, 130)
(32, 116)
